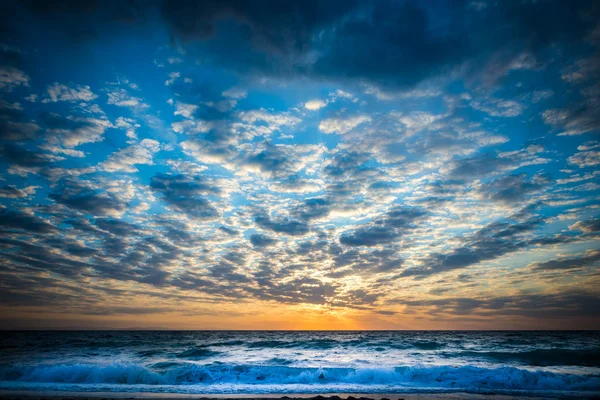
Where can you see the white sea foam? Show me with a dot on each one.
(275, 378)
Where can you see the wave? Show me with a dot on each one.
(325, 344)
(539, 357)
(418, 376)
(197, 353)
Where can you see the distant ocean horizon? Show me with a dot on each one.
(560, 363)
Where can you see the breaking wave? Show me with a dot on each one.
(467, 378)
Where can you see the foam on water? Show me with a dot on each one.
(286, 362)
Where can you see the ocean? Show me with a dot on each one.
(240, 362)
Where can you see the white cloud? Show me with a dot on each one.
(83, 130)
(59, 92)
(314, 105)
(185, 110)
(61, 150)
(235, 93)
(129, 125)
(585, 159)
(540, 95)
(273, 120)
(174, 60)
(342, 125)
(126, 159)
(11, 77)
(499, 108)
(572, 123)
(172, 77)
(121, 98)
(193, 126)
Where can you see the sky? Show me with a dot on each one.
(257, 164)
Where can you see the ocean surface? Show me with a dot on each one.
(211, 362)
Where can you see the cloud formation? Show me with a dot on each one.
(369, 164)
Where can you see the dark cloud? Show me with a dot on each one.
(298, 290)
(10, 57)
(229, 231)
(12, 219)
(389, 227)
(345, 164)
(259, 240)
(493, 164)
(565, 304)
(313, 208)
(370, 236)
(582, 260)
(11, 192)
(513, 189)
(286, 226)
(88, 200)
(116, 227)
(20, 156)
(589, 226)
(186, 194)
(350, 262)
(387, 43)
(491, 242)
(78, 21)
(275, 161)
(15, 125)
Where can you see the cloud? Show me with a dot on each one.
(370, 236)
(585, 159)
(342, 125)
(563, 304)
(314, 208)
(499, 108)
(187, 194)
(12, 192)
(273, 161)
(489, 164)
(11, 77)
(512, 189)
(83, 197)
(491, 242)
(60, 92)
(120, 97)
(314, 105)
(356, 40)
(394, 223)
(587, 259)
(20, 221)
(185, 110)
(73, 131)
(589, 226)
(259, 240)
(14, 123)
(285, 226)
(19, 156)
(273, 120)
(126, 159)
(235, 93)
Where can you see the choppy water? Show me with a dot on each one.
(302, 362)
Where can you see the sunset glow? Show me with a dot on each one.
(311, 165)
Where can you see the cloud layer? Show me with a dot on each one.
(242, 164)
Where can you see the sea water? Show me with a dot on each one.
(217, 362)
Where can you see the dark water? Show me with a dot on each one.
(302, 362)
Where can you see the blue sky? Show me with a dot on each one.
(313, 165)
